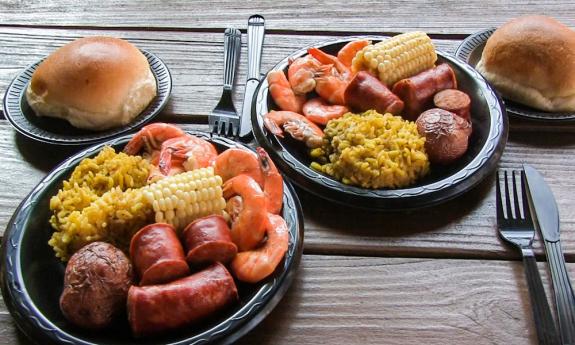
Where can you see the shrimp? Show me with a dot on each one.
(273, 182)
(152, 136)
(348, 52)
(282, 93)
(333, 77)
(248, 229)
(183, 153)
(301, 74)
(233, 162)
(298, 126)
(255, 265)
(319, 112)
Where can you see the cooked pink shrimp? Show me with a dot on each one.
(233, 162)
(255, 265)
(282, 93)
(348, 52)
(298, 126)
(152, 136)
(333, 77)
(301, 74)
(185, 153)
(248, 229)
(320, 112)
(273, 182)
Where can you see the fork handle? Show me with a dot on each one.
(563, 291)
(544, 323)
(232, 46)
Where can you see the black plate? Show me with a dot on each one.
(486, 144)
(470, 51)
(32, 276)
(58, 131)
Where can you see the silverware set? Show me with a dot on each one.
(224, 119)
(525, 203)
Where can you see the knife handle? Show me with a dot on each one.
(564, 297)
(256, 28)
(232, 46)
(544, 323)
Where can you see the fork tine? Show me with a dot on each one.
(516, 197)
(507, 196)
(498, 199)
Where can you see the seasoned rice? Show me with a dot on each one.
(371, 150)
(97, 202)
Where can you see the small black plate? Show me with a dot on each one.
(32, 276)
(58, 131)
(470, 51)
(486, 144)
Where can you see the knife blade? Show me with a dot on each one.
(544, 210)
(256, 30)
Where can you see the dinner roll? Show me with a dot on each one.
(531, 60)
(95, 83)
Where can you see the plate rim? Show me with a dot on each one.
(15, 95)
(385, 200)
(463, 53)
(243, 318)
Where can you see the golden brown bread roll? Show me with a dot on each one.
(95, 83)
(531, 60)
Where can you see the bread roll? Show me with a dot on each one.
(531, 60)
(95, 83)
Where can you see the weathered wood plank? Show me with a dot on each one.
(464, 227)
(193, 58)
(439, 16)
(347, 300)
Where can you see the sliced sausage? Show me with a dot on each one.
(455, 101)
(208, 240)
(366, 92)
(157, 254)
(158, 308)
(446, 135)
(417, 92)
(96, 284)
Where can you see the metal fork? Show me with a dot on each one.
(224, 119)
(516, 227)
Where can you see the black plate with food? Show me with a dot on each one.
(58, 131)
(32, 276)
(443, 182)
(470, 51)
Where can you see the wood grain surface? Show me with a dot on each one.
(334, 16)
(349, 300)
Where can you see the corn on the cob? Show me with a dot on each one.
(182, 198)
(396, 58)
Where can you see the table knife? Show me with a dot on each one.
(544, 209)
(256, 30)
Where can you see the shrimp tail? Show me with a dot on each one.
(273, 127)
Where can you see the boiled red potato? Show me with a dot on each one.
(446, 135)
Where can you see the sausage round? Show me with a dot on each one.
(366, 92)
(157, 254)
(417, 92)
(446, 135)
(158, 308)
(208, 240)
(455, 101)
(96, 284)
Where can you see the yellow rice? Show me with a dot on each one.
(371, 150)
(98, 203)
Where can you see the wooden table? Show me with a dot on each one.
(436, 276)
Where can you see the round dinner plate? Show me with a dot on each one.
(470, 51)
(32, 276)
(58, 131)
(486, 144)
